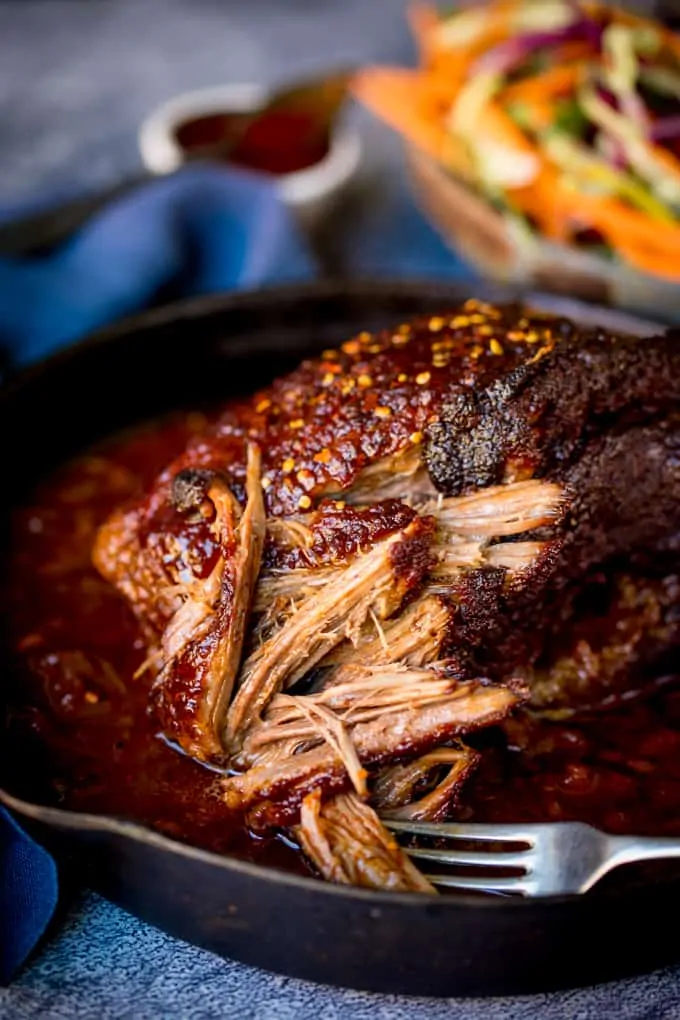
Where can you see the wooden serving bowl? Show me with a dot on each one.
(491, 242)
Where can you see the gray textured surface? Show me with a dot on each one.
(109, 966)
(76, 76)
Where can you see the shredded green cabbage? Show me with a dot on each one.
(621, 69)
(639, 153)
(586, 170)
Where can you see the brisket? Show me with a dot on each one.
(326, 573)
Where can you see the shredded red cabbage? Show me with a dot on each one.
(502, 58)
(631, 104)
(665, 128)
(614, 152)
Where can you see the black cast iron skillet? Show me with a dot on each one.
(207, 349)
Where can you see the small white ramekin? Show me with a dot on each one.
(307, 192)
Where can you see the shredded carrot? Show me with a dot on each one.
(654, 261)
(670, 162)
(556, 81)
(405, 100)
(498, 124)
(401, 98)
(506, 127)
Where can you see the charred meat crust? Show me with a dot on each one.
(334, 417)
(625, 503)
(190, 488)
(350, 421)
(626, 495)
(536, 419)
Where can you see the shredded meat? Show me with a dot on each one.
(465, 528)
(345, 840)
(500, 510)
(375, 582)
(399, 476)
(479, 530)
(394, 792)
(323, 576)
(390, 712)
(414, 638)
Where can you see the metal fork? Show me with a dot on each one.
(558, 858)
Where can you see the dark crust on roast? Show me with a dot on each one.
(537, 419)
(190, 487)
(372, 398)
(411, 559)
(626, 502)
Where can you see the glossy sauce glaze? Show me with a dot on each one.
(81, 736)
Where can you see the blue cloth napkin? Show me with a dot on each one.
(200, 231)
(28, 894)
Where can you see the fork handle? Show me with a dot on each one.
(629, 849)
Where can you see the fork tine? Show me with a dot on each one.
(454, 830)
(487, 859)
(506, 885)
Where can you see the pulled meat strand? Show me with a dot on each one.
(291, 586)
(414, 637)
(394, 791)
(400, 476)
(367, 693)
(348, 844)
(516, 557)
(390, 712)
(377, 580)
(499, 510)
(466, 526)
(332, 729)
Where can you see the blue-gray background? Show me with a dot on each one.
(76, 77)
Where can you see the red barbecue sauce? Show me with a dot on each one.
(80, 735)
(276, 142)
